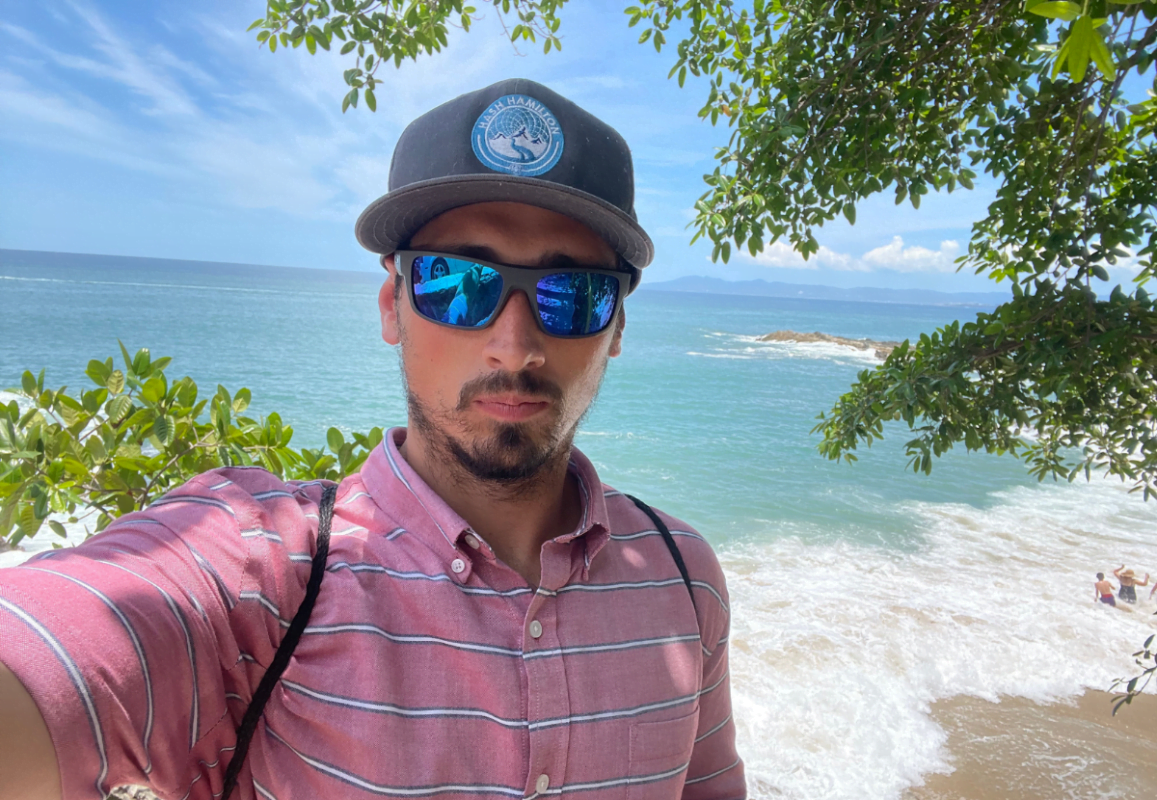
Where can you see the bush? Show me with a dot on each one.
(118, 447)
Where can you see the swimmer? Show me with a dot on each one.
(1104, 590)
(1129, 584)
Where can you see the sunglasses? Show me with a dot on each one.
(468, 293)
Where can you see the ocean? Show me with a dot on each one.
(861, 594)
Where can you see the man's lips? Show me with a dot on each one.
(510, 408)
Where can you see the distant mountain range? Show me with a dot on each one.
(157, 268)
(702, 284)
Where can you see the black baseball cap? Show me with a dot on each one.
(517, 141)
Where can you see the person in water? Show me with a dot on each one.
(1129, 584)
(1104, 590)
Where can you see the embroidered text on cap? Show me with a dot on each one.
(517, 135)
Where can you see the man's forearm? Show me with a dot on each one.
(28, 768)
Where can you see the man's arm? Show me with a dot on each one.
(28, 769)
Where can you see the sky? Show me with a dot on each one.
(161, 129)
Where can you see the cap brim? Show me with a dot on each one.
(395, 217)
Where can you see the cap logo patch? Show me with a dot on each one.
(517, 135)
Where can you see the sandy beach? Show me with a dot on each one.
(1020, 750)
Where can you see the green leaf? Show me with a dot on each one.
(96, 449)
(154, 390)
(141, 362)
(28, 384)
(850, 213)
(371, 101)
(241, 400)
(29, 524)
(334, 439)
(118, 408)
(58, 529)
(98, 372)
(116, 382)
(1058, 10)
(1079, 45)
(1103, 58)
(163, 429)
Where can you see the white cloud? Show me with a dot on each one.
(123, 65)
(783, 255)
(896, 257)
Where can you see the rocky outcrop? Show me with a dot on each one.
(881, 349)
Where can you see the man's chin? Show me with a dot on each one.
(509, 453)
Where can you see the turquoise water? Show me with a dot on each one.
(694, 416)
(859, 594)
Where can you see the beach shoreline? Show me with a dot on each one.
(1016, 749)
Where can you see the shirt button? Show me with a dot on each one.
(542, 784)
(536, 631)
(472, 540)
(458, 565)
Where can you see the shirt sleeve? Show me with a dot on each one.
(716, 770)
(142, 646)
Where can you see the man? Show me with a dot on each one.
(1104, 590)
(493, 621)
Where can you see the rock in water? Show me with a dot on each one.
(881, 349)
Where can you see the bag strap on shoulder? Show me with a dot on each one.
(285, 650)
(669, 540)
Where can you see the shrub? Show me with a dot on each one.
(118, 447)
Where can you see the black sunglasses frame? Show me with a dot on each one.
(524, 278)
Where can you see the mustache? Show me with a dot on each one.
(515, 382)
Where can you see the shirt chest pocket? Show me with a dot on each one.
(659, 755)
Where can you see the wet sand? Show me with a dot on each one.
(1019, 750)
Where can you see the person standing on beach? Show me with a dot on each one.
(1104, 590)
(1128, 581)
(492, 621)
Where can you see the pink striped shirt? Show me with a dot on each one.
(429, 669)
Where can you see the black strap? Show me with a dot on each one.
(669, 540)
(301, 619)
(285, 650)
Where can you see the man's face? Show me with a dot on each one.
(503, 402)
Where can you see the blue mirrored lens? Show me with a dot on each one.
(455, 291)
(577, 303)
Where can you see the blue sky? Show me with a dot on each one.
(160, 129)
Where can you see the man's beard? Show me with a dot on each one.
(509, 456)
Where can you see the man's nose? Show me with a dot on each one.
(516, 341)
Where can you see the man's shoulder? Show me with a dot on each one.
(630, 523)
(239, 488)
(240, 504)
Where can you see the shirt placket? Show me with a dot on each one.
(548, 695)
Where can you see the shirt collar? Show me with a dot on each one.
(399, 491)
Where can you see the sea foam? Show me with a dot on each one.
(839, 649)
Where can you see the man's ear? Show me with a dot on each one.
(617, 336)
(388, 297)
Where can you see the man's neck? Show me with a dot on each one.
(514, 521)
